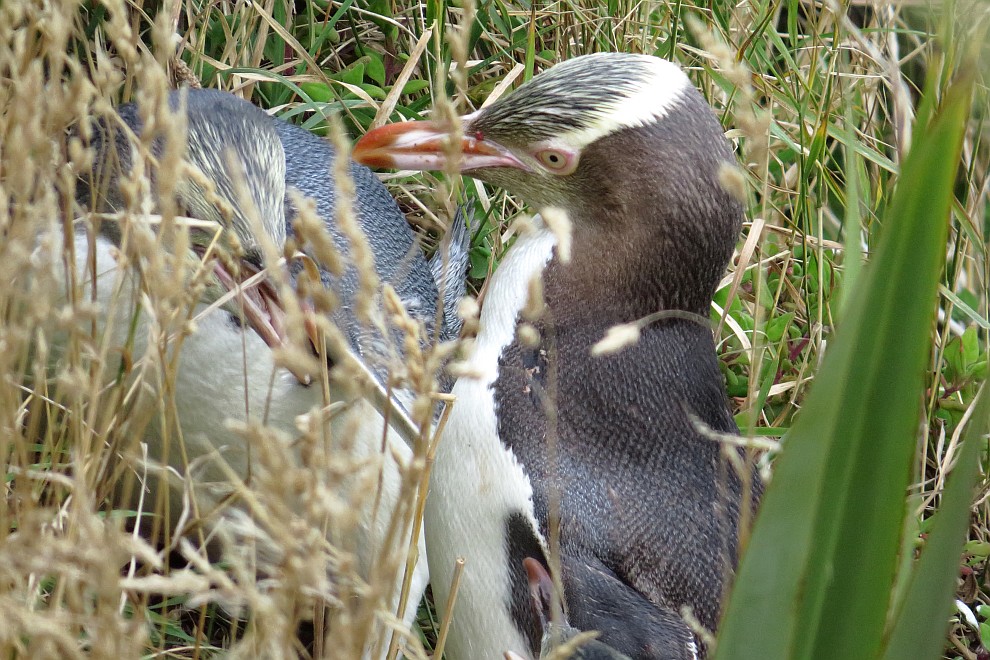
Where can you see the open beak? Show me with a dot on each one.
(262, 308)
(424, 145)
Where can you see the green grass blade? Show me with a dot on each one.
(918, 631)
(817, 576)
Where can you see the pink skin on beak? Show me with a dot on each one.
(262, 309)
(421, 145)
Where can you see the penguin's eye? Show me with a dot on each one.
(557, 161)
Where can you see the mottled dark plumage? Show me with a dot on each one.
(644, 498)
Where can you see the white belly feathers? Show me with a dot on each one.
(476, 482)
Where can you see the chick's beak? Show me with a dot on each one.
(259, 302)
(424, 145)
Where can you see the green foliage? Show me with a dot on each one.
(811, 565)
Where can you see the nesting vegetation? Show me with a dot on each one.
(820, 99)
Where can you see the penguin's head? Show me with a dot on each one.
(623, 143)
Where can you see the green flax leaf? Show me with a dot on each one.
(918, 631)
(818, 573)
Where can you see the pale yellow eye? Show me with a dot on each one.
(558, 161)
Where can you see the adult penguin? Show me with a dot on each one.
(246, 173)
(615, 453)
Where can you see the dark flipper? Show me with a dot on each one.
(659, 633)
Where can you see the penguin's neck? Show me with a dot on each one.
(625, 266)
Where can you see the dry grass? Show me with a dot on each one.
(819, 102)
(100, 555)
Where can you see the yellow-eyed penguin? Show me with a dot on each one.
(227, 370)
(630, 151)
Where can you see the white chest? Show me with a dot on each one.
(476, 482)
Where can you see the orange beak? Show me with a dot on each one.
(424, 145)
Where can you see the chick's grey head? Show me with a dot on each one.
(233, 174)
(234, 165)
(559, 633)
(624, 143)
